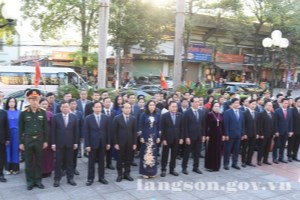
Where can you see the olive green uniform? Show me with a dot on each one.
(32, 133)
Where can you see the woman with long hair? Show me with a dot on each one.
(149, 138)
(118, 104)
(12, 149)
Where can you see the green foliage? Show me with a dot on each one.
(200, 91)
(92, 59)
(134, 22)
(6, 32)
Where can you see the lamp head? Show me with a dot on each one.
(267, 42)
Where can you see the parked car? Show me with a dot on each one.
(243, 88)
(156, 80)
(148, 89)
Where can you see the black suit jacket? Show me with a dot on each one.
(88, 109)
(170, 132)
(94, 134)
(64, 136)
(4, 130)
(250, 123)
(124, 134)
(193, 128)
(266, 126)
(296, 120)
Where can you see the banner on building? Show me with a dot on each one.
(200, 53)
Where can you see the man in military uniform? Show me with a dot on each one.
(33, 138)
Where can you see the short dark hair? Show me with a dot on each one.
(243, 99)
(278, 95)
(72, 100)
(251, 101)
(186, 92)
(95, 102)
(234, 100)
(231, 94)
(171, 102)
(193, 98)
(49, 94)
(184, 99)
(210, 91)
(297, 98)
(129, 95)
(66, 93)
(106, 98)
(284, 99)
(63, 102)
(259, 98)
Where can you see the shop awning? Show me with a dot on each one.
(230, 66)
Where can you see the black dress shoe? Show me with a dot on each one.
(56, 183)
(174, 173)
(119, 179)
(133, 164)
(250, 164)
(259, 163)
(267, 163)
(76, 172)
(185, 171)
(89, 182)
(197, 171)
(275, 161)
(236, 167)
(72, 182)
(283, 161)
(226, 167)
(29, 187)
(103, 181)
(40, 185)
(296, 159)
(2, 179)
(128, 178)
(244, 165)
(110, 167)
(290, 159)
(163, 174)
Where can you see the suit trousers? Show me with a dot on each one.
(248, 147)
(64, 159)
(93, 155)
(232, 146)
(279, 144)
(293, 146)
(165, 156)
(124, 159)
(2, 158)
(264, 148)
(193, 148)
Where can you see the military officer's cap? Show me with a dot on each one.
(33, 93)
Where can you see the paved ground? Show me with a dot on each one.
(248, 183)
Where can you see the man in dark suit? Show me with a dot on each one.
(125, 138)
(284, 129)
(171, 127)
(110, 113)
(53, 106)
(234, 130)
(184, 106)
(89, 106)
(266, 130)
(277, 102)
(4, 140)
(194, 126)
(244, 104)
(64, 132)
(251, 133)
(83, 101)
(260, 104)
(97, 140)
(66, 97)
(228, 102)
(80, 118)
(294, 141)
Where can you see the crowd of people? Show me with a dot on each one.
(51, 135)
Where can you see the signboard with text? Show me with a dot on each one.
(200, 53)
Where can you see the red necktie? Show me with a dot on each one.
(285, 114)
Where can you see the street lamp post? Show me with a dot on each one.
(275, 43)
(10, 13)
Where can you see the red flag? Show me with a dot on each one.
(37, 74)
(163, 82)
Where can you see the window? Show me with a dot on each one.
(13, 78)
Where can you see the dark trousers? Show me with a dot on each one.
(93, 155)
(64, 158)
(165, 156)
(75, 157)
(231, 146)
(109, 156)
(124, 159)
(264, 148)
(33, 161)
(248, 147)
(279, 145)
(193, 148)
(2, 158)
(293, 146)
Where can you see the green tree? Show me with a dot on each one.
(6, 32)
(53, 17)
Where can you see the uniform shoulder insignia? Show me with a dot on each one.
(42, 108)
(25, 109)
